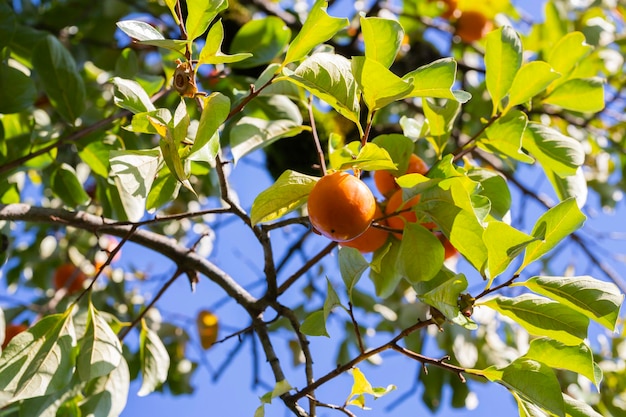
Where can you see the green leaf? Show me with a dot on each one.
(530, 80)
(495, 188)
(60, 78)
(39, 361)
(443, 292)
(568, 52)
(66, 185)
(142, 123)
(504, 136)
(164, 189)
(382, 39)
(361, 386)
(421, 254)
(503, 59)
(17, 90)
(352, 264)
(449, 205)
(329, 77)
(212, 53)
(140, 31)
(176, 45)
(555, 152)
(215, 112)
(543, 317)
(440, 121)
(534, 381)
(598, 300)
(314, 324)
(200, 14)
(107, 395)
(155, 361)
(527, 408)
(399, 148)
(436, 80)
(552, 227)
(133, 173)
(384, 271)
(289, 192)
(573, 186)
(318, 28)
(54, 404)
(331, 301)
(379, 85)
(131, 96)
(555, 354)
(251, 133)
(266, 38)
(504, 244)
(100, 350)
(371, 157)
(575, 408)
(96, 155)
(581, 94)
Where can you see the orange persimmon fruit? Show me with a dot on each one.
(403, 212)
(208, 328)
(472, 26)
(372, 239)
(385, 181)
(341, 206)
(70, 277)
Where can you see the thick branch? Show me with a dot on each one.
(182, 256)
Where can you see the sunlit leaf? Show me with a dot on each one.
(504, 136)
(503, 58)
(576, 408)
(134, 172)
(107, 395)
(568, 52)
(379, 85)
(555, 354)
(155, 361)
(436, 80)
(382, 39)
(580, 94)
(543, 317)
(216, 109)
(314, 324)
(131, 96)
(100, 349)
(65, 184)
(265, 38)
(552, 227)
(289, 192)
(318, 28)
(212, 53)
(38, 361)
(352, 264)
(530, 80)
(371, 157)
(362, 386)
(421, 254)
(139, 30)
(200, 14)
(598, 300)
(384, 271)
(561, 154)
(399, 148)
(532, 380)
(504, 243)
(329, 77)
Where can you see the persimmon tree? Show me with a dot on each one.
(122, 122)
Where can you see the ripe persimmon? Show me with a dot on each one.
(341, 207)
(11, 331)
(403, 210)
(472, 26)
(372, 239)
(386, 182)
(208, 327)
(70, 277)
